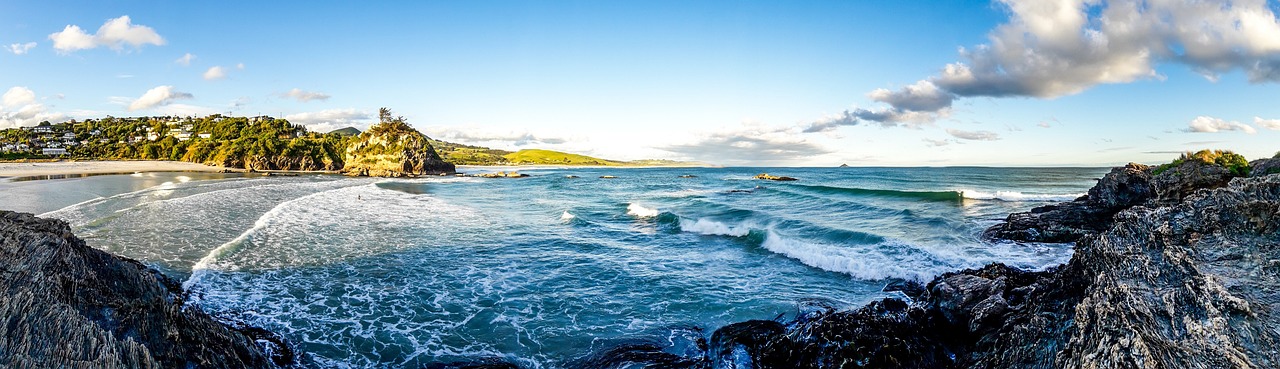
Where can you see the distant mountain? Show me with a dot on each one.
(548, 157)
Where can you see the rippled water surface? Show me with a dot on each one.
(369, 273)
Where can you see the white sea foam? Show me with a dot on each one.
(567, 216)
(859, 261)
(713, 228)
(640, 211)
(1014, 196)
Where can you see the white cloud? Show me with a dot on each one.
(890, 117)
(240, 66)
(215, 73)
(19, 108)
(185, 110)
(1272, 124)
(328, 120)
(936, 143)
(304, 96)
(185, 60)
(19, 49)
(1048, 49)
(159, 96)
(973, 135)
(750, 144)
(18, 96)
(491, 137)
(116, 33)
(1204, 124)
(923, 96)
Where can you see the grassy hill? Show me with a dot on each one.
(548, 157)
(460, 154)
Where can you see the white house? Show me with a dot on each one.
(51, 151)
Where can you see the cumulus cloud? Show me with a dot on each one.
(492, 137)
(116, 33)
(19, 108)
(973, 135)
(158, 96)
(1272, 124)
(883, 117)
(750, 145)
(304, 96)
(328, 120)
(185, 60)
(1204, 124)
(1048, 49)
(19, 49)
(215, 73)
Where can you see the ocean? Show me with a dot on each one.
(544, 270)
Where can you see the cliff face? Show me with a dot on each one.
(393, 149)
(1191, 283)
(67, 305)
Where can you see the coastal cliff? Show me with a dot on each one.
(1173, 272)
(67, 305)
(392, 148)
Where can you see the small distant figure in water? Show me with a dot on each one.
(359, 197)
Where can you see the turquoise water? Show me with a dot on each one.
(367, 273)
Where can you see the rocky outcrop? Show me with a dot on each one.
(1120, 189)
(768, 177)
(299, 163)
(1195, 284)
(1262, 167)
(67, 305)
(393, 149)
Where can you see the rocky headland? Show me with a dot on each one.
(67, 305)
(1174, 267)
(392, 148)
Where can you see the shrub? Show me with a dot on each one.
(1235, 163)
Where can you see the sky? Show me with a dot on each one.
(736, 83)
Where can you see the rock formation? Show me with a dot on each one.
(393, 149)
(767, 177)
(67, 305)
(1160, 283)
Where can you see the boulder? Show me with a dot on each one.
(766, 176)
(67, 305)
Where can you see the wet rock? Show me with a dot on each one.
(766, 176)
(1262, 167)
(67, 305)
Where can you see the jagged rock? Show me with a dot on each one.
(766, 176)
(393, 149)
(1065, 222)
(1195, 284)
(1184, 179)
(67, 305)
(1262, 167)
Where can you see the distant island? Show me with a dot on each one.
(250, 143)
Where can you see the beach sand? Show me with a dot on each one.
(99, 167)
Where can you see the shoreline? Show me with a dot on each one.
(55, 169)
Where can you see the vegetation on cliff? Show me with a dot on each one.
(392, 148)
(1233, 162)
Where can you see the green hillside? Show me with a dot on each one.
(548, 157)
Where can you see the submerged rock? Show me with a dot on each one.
(67, 305)
(393, 149)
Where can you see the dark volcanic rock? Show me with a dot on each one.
(67, 305)
(1184, 179)
(1194, 284)
(1122, 188)
(1262, 167)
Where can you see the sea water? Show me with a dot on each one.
(544, 270)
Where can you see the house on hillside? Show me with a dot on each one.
(54, 151)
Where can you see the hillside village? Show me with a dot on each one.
(92, 138)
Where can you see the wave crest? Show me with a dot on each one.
(640, 211)
(1015, 196)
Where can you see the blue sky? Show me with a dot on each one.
(1008, 82)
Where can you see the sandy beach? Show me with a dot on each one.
(99, 167)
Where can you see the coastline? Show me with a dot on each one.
(59, 168)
